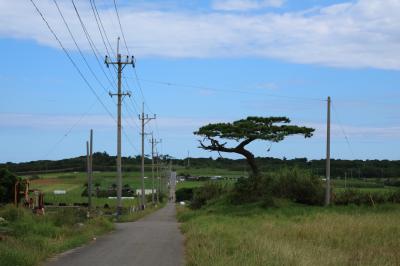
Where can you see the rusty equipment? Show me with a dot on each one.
(35, 203)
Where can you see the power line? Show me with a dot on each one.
(68, 131)
(127, 49)
(70, 58)
(101, 25)
(120, 27)
(91, 43)
(166, 83)
(77, 46)
(343, 131)
(78, 69)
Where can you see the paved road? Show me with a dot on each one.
(153, 240)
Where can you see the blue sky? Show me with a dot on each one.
(200, 62)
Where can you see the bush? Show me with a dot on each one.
(299, 186)
(7, 182)
(352, 196)
(247, 190)
(184, 194)
(210, 190)
(392, 182)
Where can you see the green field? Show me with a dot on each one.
(73, 184)
(291, 234)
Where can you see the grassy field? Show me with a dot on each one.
(210, 172)
(73, 184)
(291, 234)
(338, 185)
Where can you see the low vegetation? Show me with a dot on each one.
(291, 234)
(28, 239)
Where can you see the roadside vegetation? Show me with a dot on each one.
(291, 234)
(28, 239)
(277, 218)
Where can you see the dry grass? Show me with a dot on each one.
(314, 236)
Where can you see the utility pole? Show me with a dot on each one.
(90, 170)
(188, 161)
(121, 65)
(145, 119)
(158, 178)
(328, 155)
(153, 142)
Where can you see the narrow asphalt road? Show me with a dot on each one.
(153, 240)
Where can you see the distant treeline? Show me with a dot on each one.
(104, 162)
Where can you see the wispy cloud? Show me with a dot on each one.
(268, 86)
(244, 5)
(362, 33)
(178, 125)
(359, 132)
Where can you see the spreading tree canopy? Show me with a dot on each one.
(245, 131)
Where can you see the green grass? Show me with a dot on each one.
(27, 239)
(73, 183)
(134, 216)
(210, 172)
(30, 239)
(291, 234)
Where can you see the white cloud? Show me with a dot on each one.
(360, 132)
(363, 33)
(243, 5)
(178, 125)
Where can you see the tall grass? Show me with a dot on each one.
(292, 235)
(29, 239)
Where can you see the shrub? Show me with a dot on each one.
(184, 194)
(299, 186)
(210, 190)
(392, 182)
(7, 182)
(247, 190)
(352, 196)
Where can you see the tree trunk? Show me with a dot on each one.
(251, 161)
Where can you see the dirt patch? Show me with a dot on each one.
(47, 181)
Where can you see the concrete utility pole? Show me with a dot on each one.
(158, 178)
(121, 65)
(90, 170)
(188, 160)
(328, 155)
(145, 119)
(153, 142)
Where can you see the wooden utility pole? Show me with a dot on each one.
(153, 142)
(328, 155)
(121, 65)
(144, 119)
